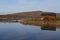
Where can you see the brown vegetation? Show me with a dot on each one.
(24, 15)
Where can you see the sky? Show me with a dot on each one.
(12, 6)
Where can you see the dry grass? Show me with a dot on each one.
(57, 22)
(31, 22)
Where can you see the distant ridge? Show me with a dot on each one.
(32, 13)
(26, 15)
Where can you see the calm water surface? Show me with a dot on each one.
(18, 31)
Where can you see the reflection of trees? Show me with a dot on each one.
(50, 27)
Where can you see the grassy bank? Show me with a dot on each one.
(58, 22)
(30, 22)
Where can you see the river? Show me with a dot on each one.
(18, 31)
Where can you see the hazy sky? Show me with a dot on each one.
(10, 6)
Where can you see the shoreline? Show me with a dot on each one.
(39, 23)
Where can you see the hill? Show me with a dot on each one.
(25, 15)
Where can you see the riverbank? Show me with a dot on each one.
(39, 23)
(31, 22)
(58, 23)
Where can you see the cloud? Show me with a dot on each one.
(52, 5)
(47, 5)
(31, 5)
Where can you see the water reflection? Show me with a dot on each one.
(16, 31)
(48, 27)
(51, 26)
